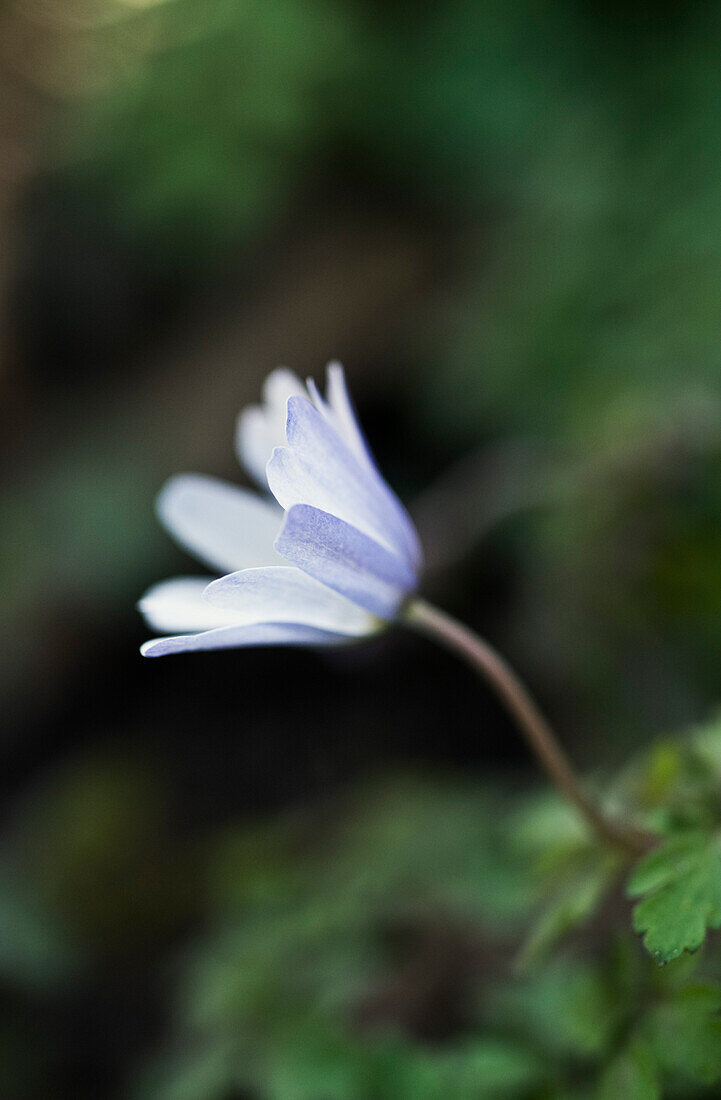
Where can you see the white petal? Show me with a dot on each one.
(341, 406)
(252, 443)
(260, 428)
(285, 594)
(346, 559)
(337, 409)
(223, 525)
(317, 468)
(178, 604)
(281, 384)
(233, 637)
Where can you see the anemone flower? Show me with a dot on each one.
(329, 557)
(326, 554)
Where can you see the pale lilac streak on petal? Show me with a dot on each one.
(339, 400)
(319, 469)
(285, 592)
(341, 404)
(338, 410)
(320, 404)
(293, 482)
(223, 525)
(260, 428)
(329, 414)
(234, 637)
(178, 604)
(345, 559)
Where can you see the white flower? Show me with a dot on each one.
(330, 560)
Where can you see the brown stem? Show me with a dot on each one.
(534, 727)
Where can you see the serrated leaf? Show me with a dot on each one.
(684, 1033)
(679, 884)
(632, 1075)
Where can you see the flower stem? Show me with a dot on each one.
(534, 727)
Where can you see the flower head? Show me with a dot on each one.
(330, 559)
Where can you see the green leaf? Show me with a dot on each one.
(577, 902)
(566, 1008)
(679, 884)
(684, 1033)
(492, 1068)
(632, 1075)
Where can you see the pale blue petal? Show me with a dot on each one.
(281, 384)
(285, 593)
(341, 405)
(345, 559)
(317, 468)
(342, 411)
(253, 444)
(260, 428)
(234, 637)
(319, 402)
(223, 525)
(178, 604)
(337, 408)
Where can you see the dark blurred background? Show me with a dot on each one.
(505, 219)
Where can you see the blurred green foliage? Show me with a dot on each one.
(199, 141)
(371, 951)
(428, 940)
(373, 945)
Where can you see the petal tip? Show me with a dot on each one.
(211, 594)
(169, 494)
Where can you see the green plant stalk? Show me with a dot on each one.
(484, 659)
